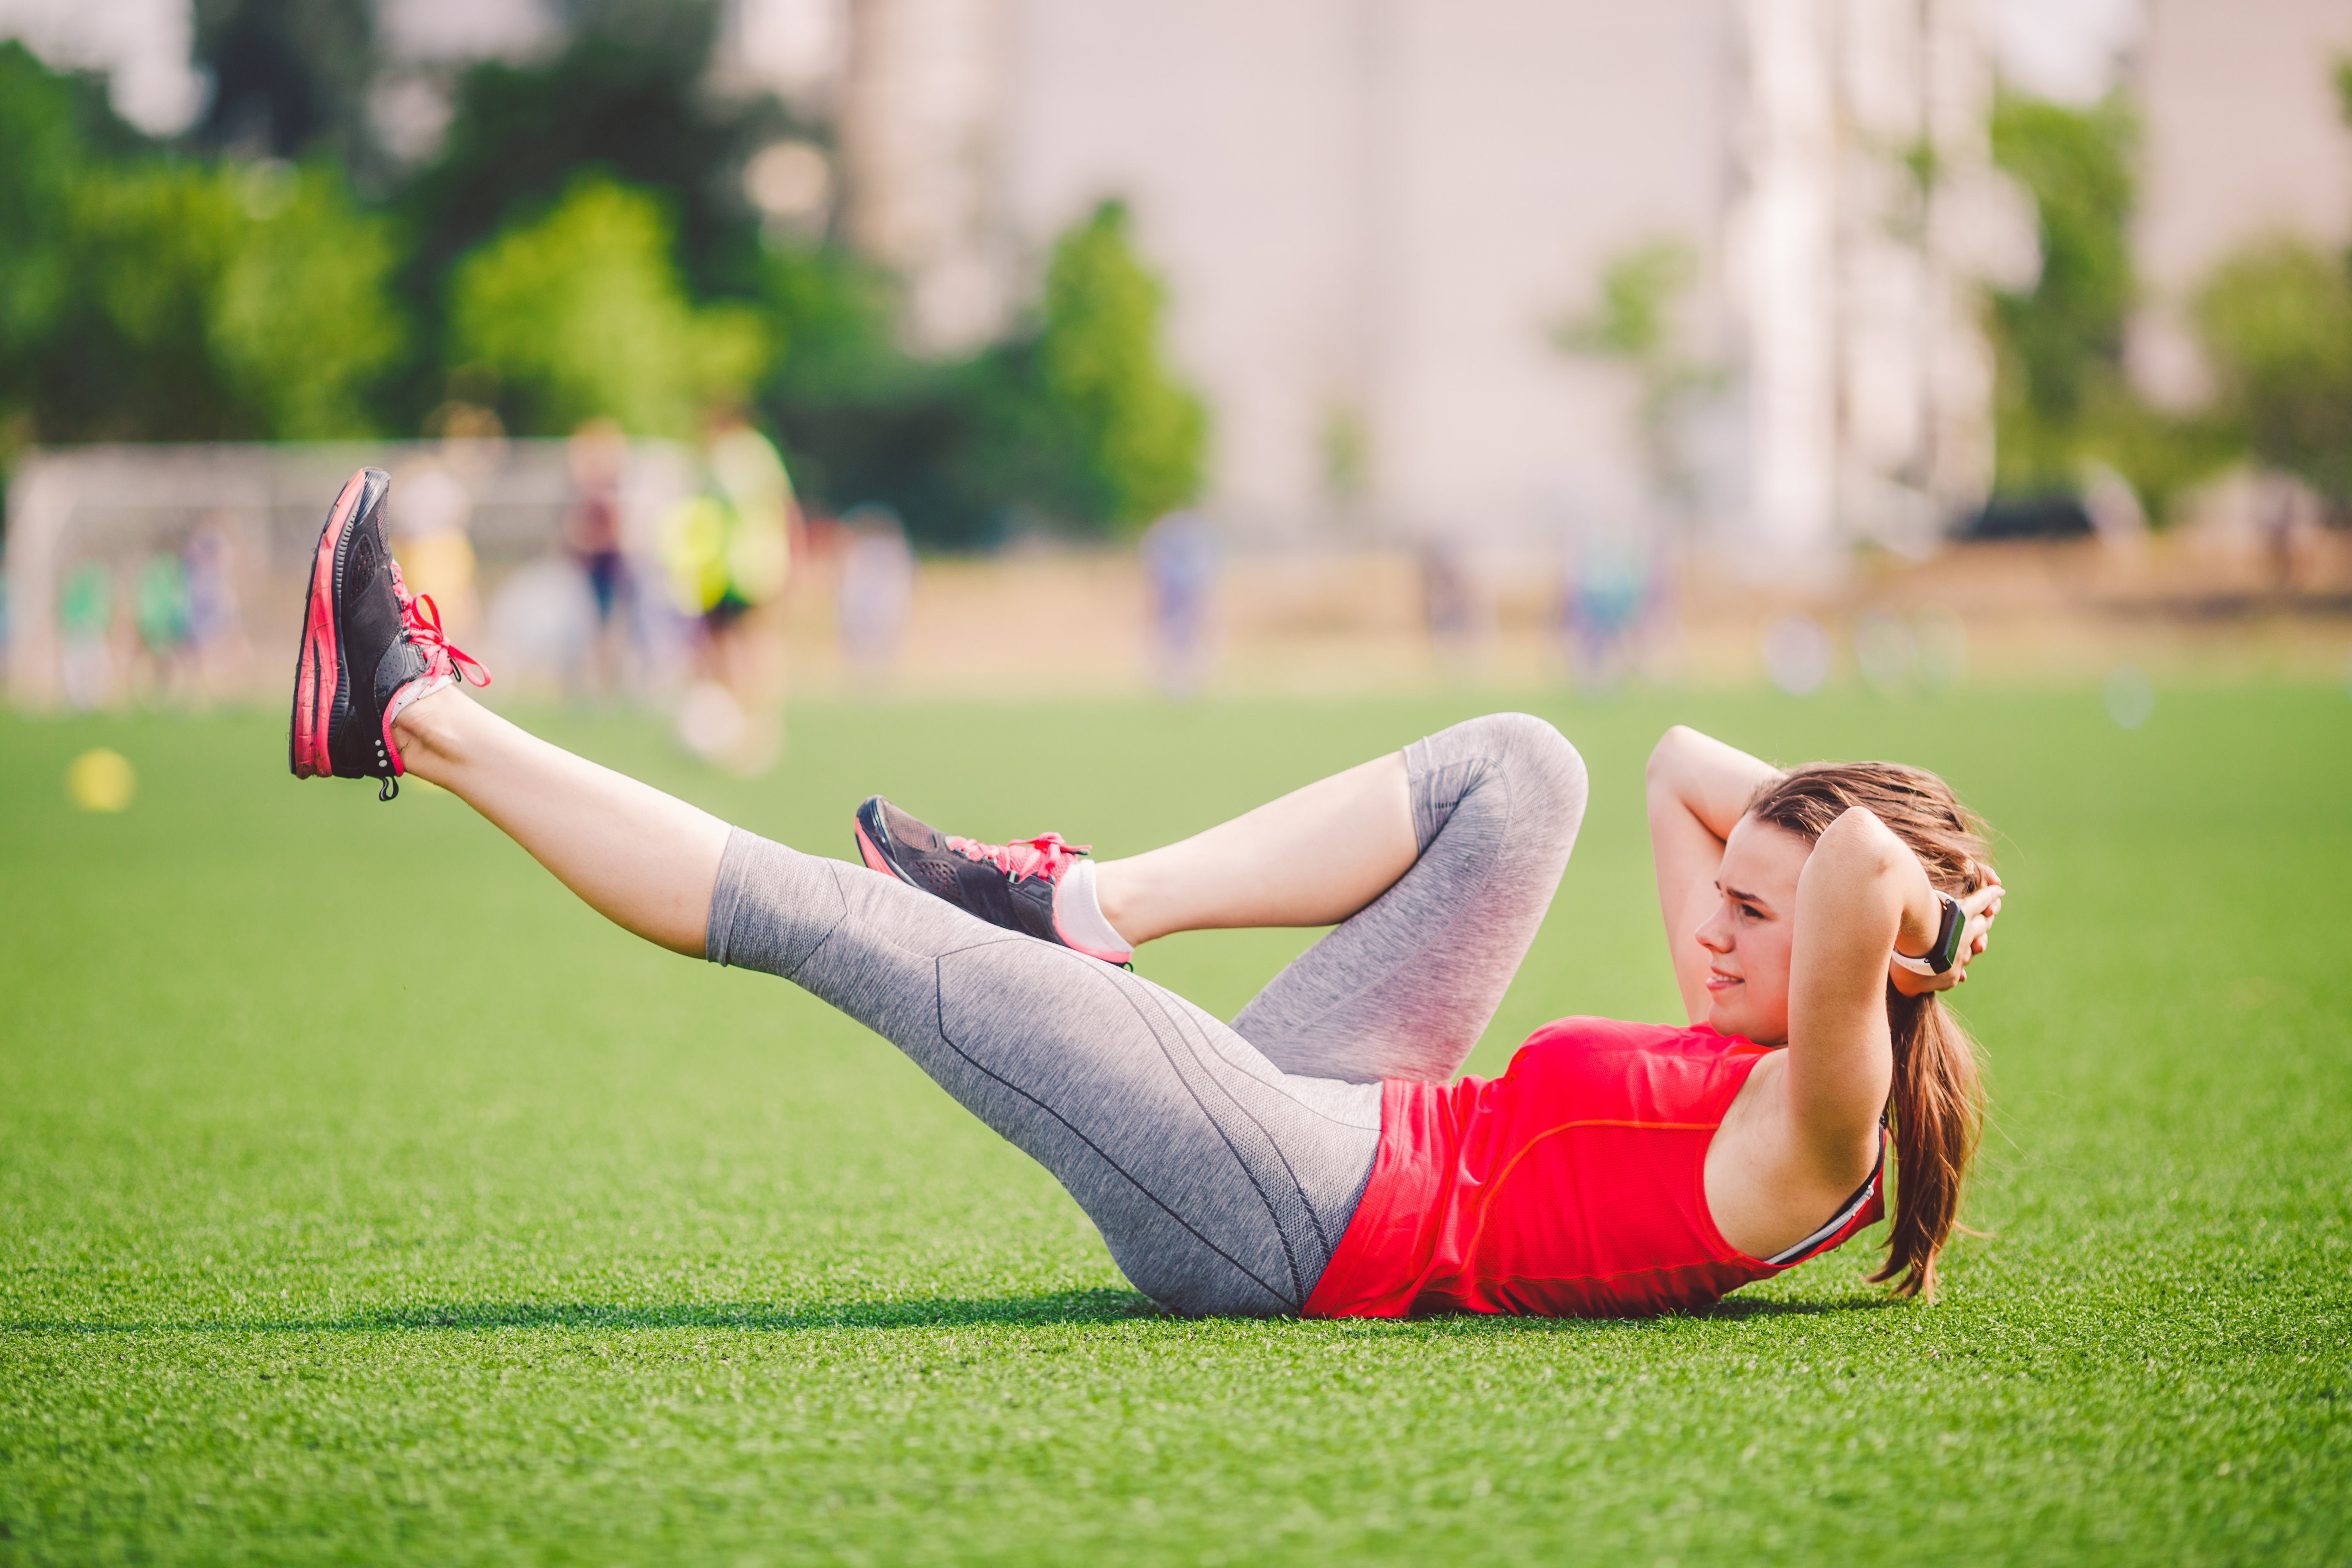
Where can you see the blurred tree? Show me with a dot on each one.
(1100, 362)
(626, 94)
(147, 297)
(41, 152)
(2060, 399)
(2276, 320)
(581, 313)
(1642, 289)
(2060, 344)
(860, 420)
(962, 449)
(302, 323)
(219, 300)
(53, 128)
(2277, 325)
(150, 242)
(836, 310)
(1069, 422)
(585, 237)
(289, 76)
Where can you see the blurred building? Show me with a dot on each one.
(1370, 211)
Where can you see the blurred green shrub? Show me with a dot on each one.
(581, 313)
(1144, 433)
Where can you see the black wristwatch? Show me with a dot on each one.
(1939, 959)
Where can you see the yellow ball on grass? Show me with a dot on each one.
(102, 778)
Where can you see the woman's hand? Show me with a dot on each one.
(1981, 908)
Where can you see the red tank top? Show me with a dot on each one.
(1574, 1185)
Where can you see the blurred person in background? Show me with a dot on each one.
(162, 609)
(1181, 557)
(1451, 602)
(85, 630)
(1316, 1156)
(2293, 525)
(215, 624)
(436, 555)
(878, 587)
(599, 458)
(1606, 593)
(727, 553)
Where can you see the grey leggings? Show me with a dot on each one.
(1220, 1163)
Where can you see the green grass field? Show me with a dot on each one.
(361, 1197)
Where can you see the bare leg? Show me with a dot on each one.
(644, 860)
(1311, 858)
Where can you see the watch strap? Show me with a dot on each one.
(1939, 959)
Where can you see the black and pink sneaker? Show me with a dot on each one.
(1010, 885)
(369, 647)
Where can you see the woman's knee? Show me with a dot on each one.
(1535, 778)
(1540, 760)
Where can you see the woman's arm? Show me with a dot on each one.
(1696, 789)
(1862, 897)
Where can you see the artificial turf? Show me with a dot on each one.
(365, 1198)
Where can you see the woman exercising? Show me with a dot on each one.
(1312, 1157)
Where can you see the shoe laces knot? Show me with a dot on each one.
(422, 617)
(420, 620)
(1044, 856)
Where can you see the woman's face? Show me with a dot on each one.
(1750, 932)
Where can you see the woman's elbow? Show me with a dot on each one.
(1668, 752)
(1860, 844)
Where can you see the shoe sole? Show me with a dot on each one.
(318, 673)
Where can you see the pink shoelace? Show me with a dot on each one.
(1044, 856)
(422, 617)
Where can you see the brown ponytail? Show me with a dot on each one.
(1937, 1102)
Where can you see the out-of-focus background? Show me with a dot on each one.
(1313, 347)
(1105, 416)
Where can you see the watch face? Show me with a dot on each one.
(1947, 938)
